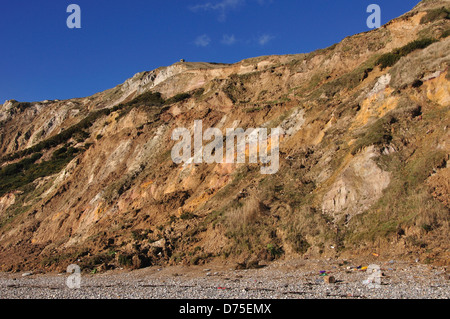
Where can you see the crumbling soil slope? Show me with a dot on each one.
(363, 160)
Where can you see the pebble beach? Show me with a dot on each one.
(284, 280)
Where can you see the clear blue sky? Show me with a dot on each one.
(40, 58)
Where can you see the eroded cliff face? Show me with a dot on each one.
(363, 160)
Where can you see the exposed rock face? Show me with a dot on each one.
(6, 201)
(363, 160)
(360, 185)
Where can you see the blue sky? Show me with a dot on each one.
(41, 58)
